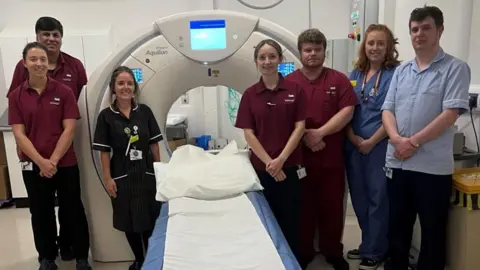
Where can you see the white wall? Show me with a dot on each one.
(474, 54)
(117, 17)
(86, 15)
(124, 17)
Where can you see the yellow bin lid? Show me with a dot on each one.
(467, 180)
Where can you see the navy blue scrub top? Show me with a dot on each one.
(367, 118)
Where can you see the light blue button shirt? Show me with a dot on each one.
(416, 98)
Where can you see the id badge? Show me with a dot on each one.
(301, 173)
(135, 154)
(389, 173)
(27, 166)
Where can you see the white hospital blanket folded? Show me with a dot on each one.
(217, 235)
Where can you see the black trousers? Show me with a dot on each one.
(284, 200)
(412, 193)
(65, 233)
(41, 195)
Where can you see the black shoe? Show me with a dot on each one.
(66, 254)
(83, 265)
(47, 265)
(368, 264)
(354, 254)
(135, 266)
(338, 263)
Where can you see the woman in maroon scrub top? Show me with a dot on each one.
(272, 114)
(43, 114)
(129, 130)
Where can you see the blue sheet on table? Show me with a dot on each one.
(156, 248)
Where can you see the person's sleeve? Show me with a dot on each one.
(244, 115)
(348, 97)
(14, 112)
(389, 103)
(353, 75)
(153, 128)
(102, 138)
(70, 107)
(301, 109)
(82, 78)
(18, 77)
(456, 91)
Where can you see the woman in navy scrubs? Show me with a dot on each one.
(272, 114)
(130, 131)
(367, 144)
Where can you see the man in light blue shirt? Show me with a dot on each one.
(425, 97)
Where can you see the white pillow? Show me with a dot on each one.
(194, 173)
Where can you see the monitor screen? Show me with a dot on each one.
(286, 68)
(137, 72)
(208, 35)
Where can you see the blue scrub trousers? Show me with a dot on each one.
(368, 189)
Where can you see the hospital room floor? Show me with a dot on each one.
(17, 251)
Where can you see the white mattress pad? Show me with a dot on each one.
(217, 235)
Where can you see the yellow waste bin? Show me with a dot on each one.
(464, 221)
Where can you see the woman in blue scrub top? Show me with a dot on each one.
(366, 146)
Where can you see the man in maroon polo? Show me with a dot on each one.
(331, 102)
(69, 71)
(61, 66)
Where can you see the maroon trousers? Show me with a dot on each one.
(322, 208)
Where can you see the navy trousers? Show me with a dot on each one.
(427, 195)
(368, 189)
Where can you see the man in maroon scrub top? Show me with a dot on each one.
(43, 114)
(331, 101)
(69, 71)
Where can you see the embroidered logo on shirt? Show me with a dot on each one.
(291, 96)
(289, 100)
(332, 91)
(68, 78)
(55, 101)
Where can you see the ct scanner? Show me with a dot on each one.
(176, 54)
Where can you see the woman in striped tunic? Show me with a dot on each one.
(130, 131)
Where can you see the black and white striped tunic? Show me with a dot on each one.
(135, 208)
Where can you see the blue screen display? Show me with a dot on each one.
(286, 68)
(138, 73)
(208, 35)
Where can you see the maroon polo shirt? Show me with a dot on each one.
(326, 96)
(69, 71)
(272, 115)
(43, 115)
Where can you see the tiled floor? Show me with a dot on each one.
(17, 251)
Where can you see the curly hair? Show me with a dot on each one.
(391, 56)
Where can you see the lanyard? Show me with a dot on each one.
(374, 89)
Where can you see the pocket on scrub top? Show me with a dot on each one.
(328, 106)
(433, 89)
(53, 110)
(432, 94)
